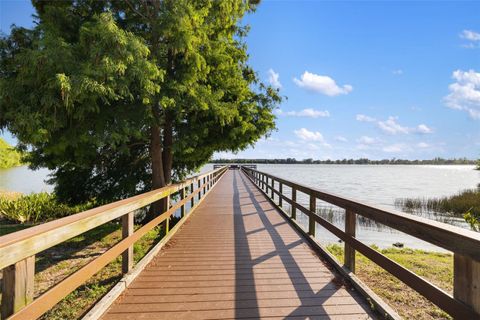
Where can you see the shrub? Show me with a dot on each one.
(37, 207)
(473, 219)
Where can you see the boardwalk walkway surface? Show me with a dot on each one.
(238, 257)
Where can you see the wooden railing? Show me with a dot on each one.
(235, 166)
(17, 250)
(465, 244)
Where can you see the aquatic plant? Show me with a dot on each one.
(465, 204)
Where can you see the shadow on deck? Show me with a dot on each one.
(238, 257)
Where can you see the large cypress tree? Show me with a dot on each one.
(119, 97)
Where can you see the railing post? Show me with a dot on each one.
(294, 201)
(280, 191)
(204, 188)
(127, 230)
(466, 281)
(192, 200)
(272, 189)
(167, 224)
(182, 208)
(263, 181)
(313, 211)
(199, 190)
(17, 286)
(349, 251)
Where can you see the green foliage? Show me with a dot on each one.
(37, 207)
(473, 218)
(9, 157)
(106, 93)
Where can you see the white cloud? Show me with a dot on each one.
(341, 139)
(391, 125)
(396, 148)
(307, 135)
(364, 118)
(308, 112)
(470, 35)
(321, 84)
(423, 145)
(423, 128)
(465, 93)
(274, 79)
(397, 72)
(367, 140)
(312, 146)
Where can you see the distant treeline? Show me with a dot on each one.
(348, 161)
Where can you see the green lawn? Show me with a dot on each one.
(433, 266)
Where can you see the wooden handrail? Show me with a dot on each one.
(441, 234)
(22, 245)
(465, 302)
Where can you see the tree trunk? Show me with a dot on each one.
(158, 178)
(167, 149)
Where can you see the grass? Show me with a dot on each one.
(57, 263)
(433, 266)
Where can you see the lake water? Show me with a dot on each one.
(378, 185)
(22, 179)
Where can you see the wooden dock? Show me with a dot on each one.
(235, 253)
(238, 257)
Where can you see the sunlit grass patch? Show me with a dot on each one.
(435, 267)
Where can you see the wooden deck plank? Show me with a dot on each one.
(237, 257)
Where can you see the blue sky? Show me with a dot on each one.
(363, 79)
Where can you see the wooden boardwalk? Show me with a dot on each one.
(238, 257)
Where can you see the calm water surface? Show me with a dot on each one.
(378, 185)
(22, 179)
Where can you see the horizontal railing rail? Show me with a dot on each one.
(234, 165)
(465, 244)
(18, 249)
